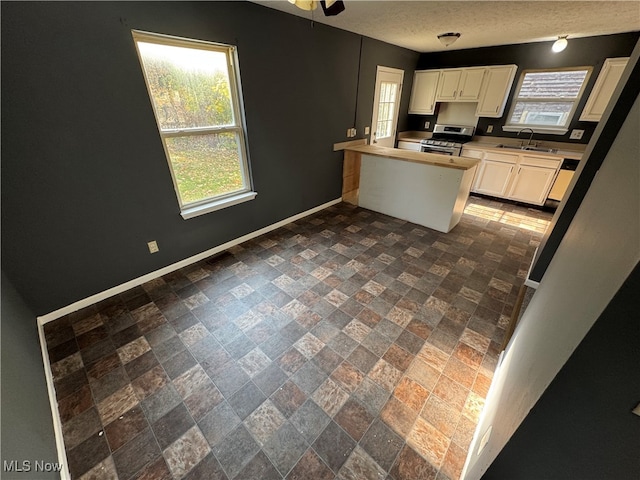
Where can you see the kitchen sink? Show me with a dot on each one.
(530, 148)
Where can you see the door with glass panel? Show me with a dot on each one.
(386, 102)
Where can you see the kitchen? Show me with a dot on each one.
(82, 199)
(519, 161)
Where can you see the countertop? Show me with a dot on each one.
(438, 160)
(561, 153)
(491, 143)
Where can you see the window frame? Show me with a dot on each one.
(557, 130)
(209, 204)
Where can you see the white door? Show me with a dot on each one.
(386, 103)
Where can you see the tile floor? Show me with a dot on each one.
(347, 345)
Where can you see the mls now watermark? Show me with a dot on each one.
(29, 466)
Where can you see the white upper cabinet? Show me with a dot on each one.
(460, 84)
(495, 90)
(471, 84)
(448, 86)
(603, 89)
(489, 86)
(423, 92)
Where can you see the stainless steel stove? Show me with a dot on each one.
(447, 139)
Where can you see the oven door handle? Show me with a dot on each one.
(428, 148)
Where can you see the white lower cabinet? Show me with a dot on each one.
(531, 184)
(494, 177)
(520, 177)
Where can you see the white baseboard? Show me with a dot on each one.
(55, 414)
(42, 320)
(528, 282)
(86, 302)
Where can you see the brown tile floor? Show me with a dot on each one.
(346, 345)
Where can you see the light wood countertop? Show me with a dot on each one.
(460, 163)
(559, 154)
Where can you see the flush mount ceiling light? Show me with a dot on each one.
(448, 38)
(330, 7)
(560, 44)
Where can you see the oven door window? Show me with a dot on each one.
(440, 150)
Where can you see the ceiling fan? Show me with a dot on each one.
(330, 7)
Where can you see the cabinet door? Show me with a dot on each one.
(532, 184)
(471, 84)
(423, 92)
(448, 86)
(495, 91)
(603, 89)
(493, 178)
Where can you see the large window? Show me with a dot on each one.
(546, 100)
(194, 89)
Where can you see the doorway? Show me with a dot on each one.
(386, 104)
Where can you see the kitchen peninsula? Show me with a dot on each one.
(424, 188)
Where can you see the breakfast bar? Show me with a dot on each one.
(424, 188)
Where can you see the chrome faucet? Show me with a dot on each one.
(530, 136)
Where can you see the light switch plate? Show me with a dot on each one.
(490, 129)
(427, 124)
(576, 134)
(366, 130)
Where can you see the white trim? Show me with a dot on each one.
(216, 204)
(238, 127)
(528, 282)
(175, 266)
(55, 414)
(536, 129)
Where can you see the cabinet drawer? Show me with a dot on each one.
(471, 153)
(539, 161)
(501, 157)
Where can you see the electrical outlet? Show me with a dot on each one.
(576, 134)
(427, 124)
(490, 129)
(353, 132)
(366, 130)
(153, 246)
(484, 440)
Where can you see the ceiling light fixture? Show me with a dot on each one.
(448, 38)
(560, 44)
(330, 7)
(305, 4)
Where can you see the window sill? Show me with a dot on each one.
(549, 130)
(214, 205)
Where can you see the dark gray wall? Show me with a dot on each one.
(27, 426)
(582, 426)
(85, 183)
(589, 51)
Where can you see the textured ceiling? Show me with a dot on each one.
(416, 24)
